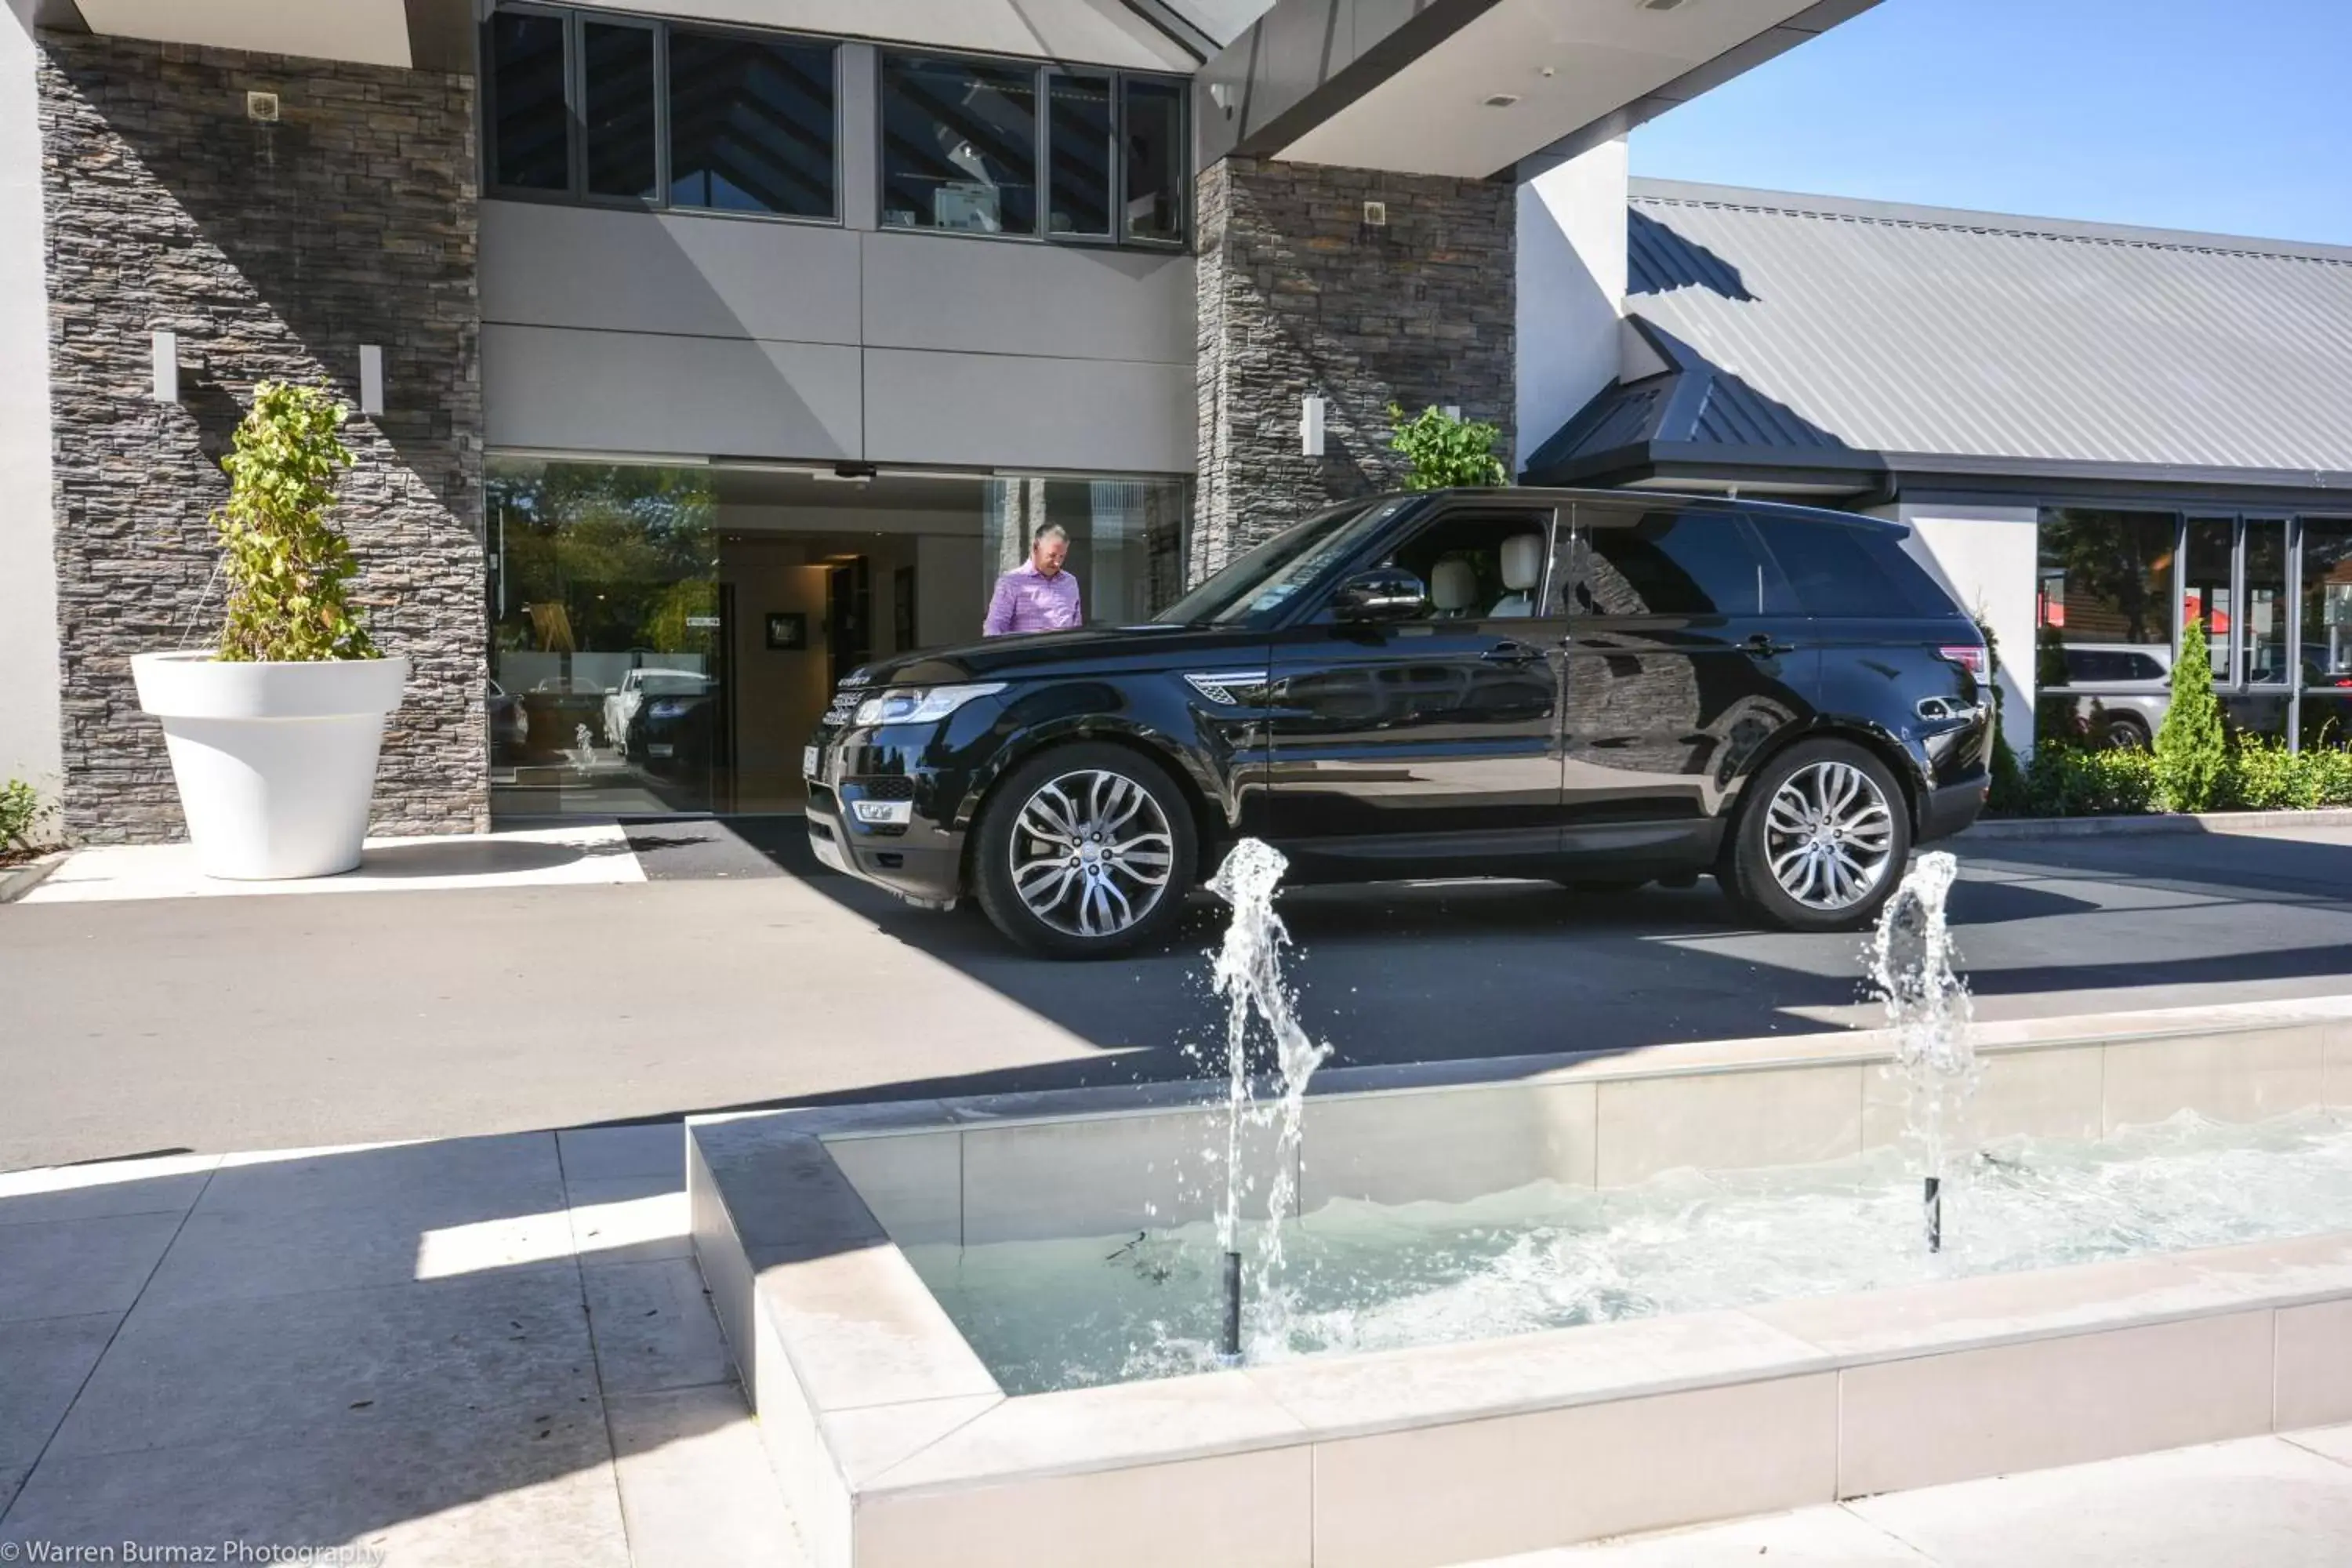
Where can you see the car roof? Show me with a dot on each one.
(1679, 499)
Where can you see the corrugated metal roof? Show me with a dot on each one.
(1926, 331)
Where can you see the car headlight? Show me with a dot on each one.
(921, 704)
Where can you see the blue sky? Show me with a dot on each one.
(2228, 115)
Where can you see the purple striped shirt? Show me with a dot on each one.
(1026, 600)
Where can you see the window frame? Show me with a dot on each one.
(1042, 178)
(575, 193)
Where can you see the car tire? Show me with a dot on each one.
(1840, 816)
(1089, 788)
(2126, 736)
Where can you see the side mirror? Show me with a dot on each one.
(1382, 594)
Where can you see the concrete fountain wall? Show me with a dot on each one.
(895, 1446)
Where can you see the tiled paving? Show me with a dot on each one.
(493, 1350)
(482, 1350)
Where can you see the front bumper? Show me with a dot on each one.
(920, 861)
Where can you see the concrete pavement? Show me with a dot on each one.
(739, 975)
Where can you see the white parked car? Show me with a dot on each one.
(621, 703)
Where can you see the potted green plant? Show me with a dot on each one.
(274, 735)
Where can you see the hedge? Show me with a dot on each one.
(2254, 774)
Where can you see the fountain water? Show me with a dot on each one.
(1248, 976)
(582, 750)
(1928, 1008)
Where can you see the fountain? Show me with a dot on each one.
(1927, 1003)
(582, 750)
(1688, 1278)
(1248, 976)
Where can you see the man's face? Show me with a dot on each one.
(1048, 554)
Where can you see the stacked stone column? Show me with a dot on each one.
(1298, 295)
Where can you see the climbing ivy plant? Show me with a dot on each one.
(288, 569)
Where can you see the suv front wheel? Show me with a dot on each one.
(1821, 840)
(1083, 849)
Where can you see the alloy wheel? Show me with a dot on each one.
(1091, 853)
(1829, 835)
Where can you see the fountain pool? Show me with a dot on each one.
(902, 1438)
(1355, 1275)
(1494, 1306)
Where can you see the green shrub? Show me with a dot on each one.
(1445, 451)
(2192, 756)
(288, 569)
(2074, 780)
(20, 810)
(2263, 775)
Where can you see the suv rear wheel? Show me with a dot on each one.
(1083, 849)
(1821, 841)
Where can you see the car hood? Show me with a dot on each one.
(1085, 651)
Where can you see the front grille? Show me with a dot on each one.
(888, 786)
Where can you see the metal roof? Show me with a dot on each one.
(1823, 324)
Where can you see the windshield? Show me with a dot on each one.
(1256, 586)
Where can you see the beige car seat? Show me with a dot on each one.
(1522, 570)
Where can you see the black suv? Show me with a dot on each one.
(1600, 688)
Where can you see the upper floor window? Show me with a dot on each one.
(610, 109)
(958, 145)
(649, 113)
(997, 147)
(750, 124)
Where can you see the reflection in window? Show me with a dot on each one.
(2326, 587)
(1154, 146)
(605, 660)
(1850, 573)
(528, 147)
(1079, 142)
(958, 145)
(618, 113)
(2264, 635)
(2205, 588)
(2106, 577)
(1668, 565)
(750, 124)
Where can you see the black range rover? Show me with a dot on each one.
(1601, 689)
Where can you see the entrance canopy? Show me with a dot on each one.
(1472, 88)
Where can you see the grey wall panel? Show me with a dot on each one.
(933, 292)
(1008, 412)
(637, 392)
(544, 265)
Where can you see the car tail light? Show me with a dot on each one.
(1968, 654)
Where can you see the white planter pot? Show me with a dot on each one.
(276, 763)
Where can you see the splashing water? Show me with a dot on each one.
(1928, 1009)
(582, 750)
(1248, 976)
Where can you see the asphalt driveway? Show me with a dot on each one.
(740, 974)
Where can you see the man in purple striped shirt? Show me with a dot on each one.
(1038, 596)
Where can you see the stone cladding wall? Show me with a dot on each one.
(274, 251)
(1299, 294)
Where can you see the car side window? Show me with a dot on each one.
(1663, 563)
(1843, 571)
(1479, 565)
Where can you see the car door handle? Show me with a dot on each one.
(1762, 646)
(1512, 653)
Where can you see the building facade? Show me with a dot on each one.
(2099, 433)
(702, 349)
